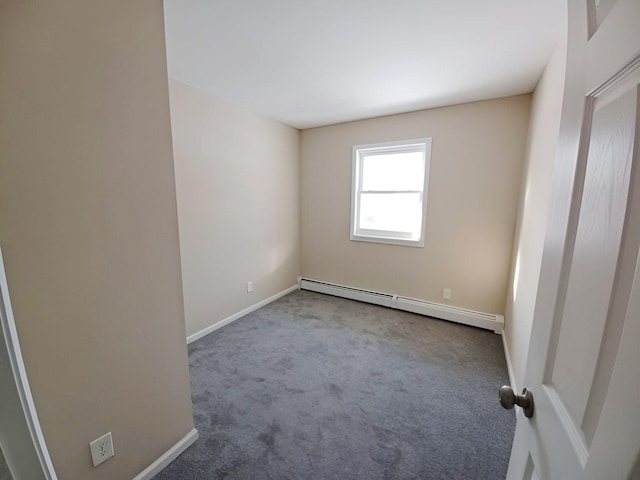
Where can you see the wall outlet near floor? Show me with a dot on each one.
(101, 449)
(446, 293)
(249, 287)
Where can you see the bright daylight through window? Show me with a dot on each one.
(389, 192)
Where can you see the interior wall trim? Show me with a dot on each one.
(169, 456)
(507, 356)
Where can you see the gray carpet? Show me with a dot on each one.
(318, 387)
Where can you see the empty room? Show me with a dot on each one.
(319, 240)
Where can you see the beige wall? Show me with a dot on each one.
(89, 229)
(533, 210)
(476, 163)
(237, 177)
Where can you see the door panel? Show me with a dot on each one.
(621, 300)
(595, 253)
(616, 443)
(599, 11)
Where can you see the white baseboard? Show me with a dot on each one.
(168, 457)
(507, 356)
(235, 316)
(445, 312)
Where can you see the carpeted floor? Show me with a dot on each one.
(318, 387)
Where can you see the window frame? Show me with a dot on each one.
(385, 236)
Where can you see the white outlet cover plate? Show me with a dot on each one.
(101, 449)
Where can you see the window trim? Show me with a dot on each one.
(400, 146)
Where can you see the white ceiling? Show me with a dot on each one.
(308, 63)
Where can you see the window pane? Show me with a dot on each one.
(394, 171)
(397, 212)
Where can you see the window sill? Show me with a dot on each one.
(388, 240)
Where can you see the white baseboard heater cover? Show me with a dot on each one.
(454, 314)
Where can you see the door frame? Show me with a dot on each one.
(12, 345)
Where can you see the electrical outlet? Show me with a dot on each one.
(101, 449)
(249, 287)
(446, 293)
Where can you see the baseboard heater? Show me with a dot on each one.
(430, 309)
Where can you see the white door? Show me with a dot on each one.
(584, 358)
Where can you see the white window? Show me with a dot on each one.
(389, 192)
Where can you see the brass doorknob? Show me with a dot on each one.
(509, 398)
